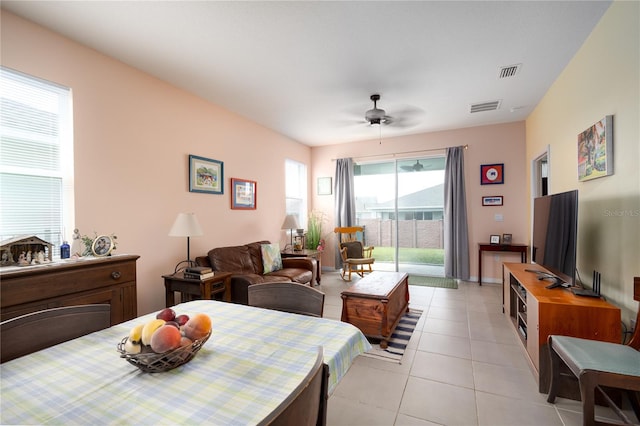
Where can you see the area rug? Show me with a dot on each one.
(425, 281)
(399, 339)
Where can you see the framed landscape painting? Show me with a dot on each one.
(243, 194)
(595, 150)
(205, 175)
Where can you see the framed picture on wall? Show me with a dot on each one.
(324, 186)
(243, 194)
(491, 174)
(492, 200)
(205, 175)
(595, 150)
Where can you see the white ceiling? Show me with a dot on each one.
(306, 69)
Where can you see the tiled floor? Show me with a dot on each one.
(464, 366)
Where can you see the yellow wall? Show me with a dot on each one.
(602, 79)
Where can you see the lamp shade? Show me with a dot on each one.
(186, 225)
(290, 222)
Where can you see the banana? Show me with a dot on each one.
(135, 335)
(132, 348)
(149, 328)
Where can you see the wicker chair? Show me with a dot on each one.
(355, 256)
(39, 330)
(599, 365)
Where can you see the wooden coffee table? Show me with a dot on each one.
(376, 303)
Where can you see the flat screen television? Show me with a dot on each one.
(555, 234)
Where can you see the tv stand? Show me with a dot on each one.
(537, 312)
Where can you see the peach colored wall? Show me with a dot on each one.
(602, 79)
(133, 135)
(501, 143)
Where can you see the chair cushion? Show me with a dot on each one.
(354, 249)
(271, 259)
(595, 355)
(232, 259)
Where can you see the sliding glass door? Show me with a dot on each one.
(400, 203)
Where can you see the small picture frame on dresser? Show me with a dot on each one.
(494, 239)
(506, 239)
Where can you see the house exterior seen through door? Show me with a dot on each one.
(400, 203)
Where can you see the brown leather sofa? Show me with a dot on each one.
(245, 262)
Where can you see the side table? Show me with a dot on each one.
(314, 254)
(513, 248)
(188, 287)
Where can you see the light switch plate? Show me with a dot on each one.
(498, 217)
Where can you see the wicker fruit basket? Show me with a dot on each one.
(151, 362)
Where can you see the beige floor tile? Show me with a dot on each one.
(496, 410)
(447, 314)
(507, 381)
(442, 368)
(439, 402)
(403, 367)
(379, 388)
(404, 420)
(346, 412)
(449, 328)
(499, 354)
(446, 345)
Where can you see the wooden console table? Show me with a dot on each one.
(512, 248)
(89, 280)
(314, 254)
(537, 312)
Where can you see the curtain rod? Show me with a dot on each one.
(393, 154)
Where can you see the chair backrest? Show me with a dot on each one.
(307, 404)
(39, 330)
(348, 233)
(352, 250)
(288, 297)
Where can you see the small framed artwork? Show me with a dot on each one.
(102, 246)
(506, 239)
(324, 186)
(494, 239)
(206, 175)
(243, 194)
(491, 174)
(492, 200)
(595, 150)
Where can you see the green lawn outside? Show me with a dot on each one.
(410, 255)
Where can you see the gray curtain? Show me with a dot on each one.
(345, 202)
(456, 233)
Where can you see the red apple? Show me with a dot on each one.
(166, 314)
(182, 319)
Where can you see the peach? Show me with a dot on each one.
(198, 326)
(165, 338)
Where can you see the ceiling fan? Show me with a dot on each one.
(403, 118)
(414, 168)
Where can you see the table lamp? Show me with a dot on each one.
(186, 225)
(290, 223)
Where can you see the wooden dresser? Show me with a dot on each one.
(537, 312)
(110, 279)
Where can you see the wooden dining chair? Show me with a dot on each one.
(288, 297)
(38, 330)
(599, 365)
(307, 404)
(356, 257)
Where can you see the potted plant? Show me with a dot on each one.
(315, 240)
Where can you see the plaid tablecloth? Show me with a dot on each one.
(253, 360)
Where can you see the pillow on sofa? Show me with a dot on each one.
(271, 257)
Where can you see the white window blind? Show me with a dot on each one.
(296, 191)
(36, 158)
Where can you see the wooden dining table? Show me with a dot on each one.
(254, 359)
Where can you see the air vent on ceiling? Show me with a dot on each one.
(509, 71)
(485, 106)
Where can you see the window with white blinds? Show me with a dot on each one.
(296, 191)
(36, 158)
